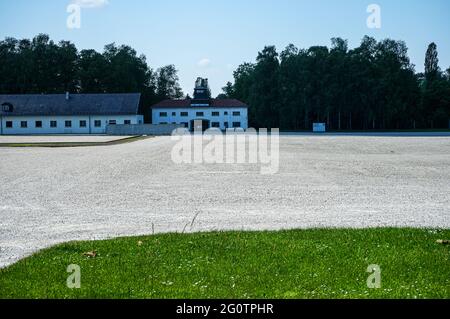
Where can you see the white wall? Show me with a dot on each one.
(208, 111)
(61, 129)
(143, 129)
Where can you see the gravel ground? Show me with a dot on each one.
(49, 196)
(12, 139)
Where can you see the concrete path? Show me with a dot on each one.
(18, 139)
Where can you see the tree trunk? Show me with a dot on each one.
(339, 120)
(328, 120)
(306, 119)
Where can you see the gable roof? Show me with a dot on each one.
(77, 104)
(227, 103)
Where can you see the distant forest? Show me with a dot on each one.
(42, 66)
(373, 86)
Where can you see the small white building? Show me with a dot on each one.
(213, 113)
(67, 113)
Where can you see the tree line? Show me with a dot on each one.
(42, 66)
(373, 86)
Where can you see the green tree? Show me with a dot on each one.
(92, 72)
(373, 86)
(264, 94)
(431, 62)
(228, 91)
(435, 91)
(167, 83)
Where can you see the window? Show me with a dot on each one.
(236, 124)
(226, 124)
(163, 114)
(112, 122)
(38, 124)
(215, 113)
(24, 124)
(83, 123)
(53, 124)
(236, 113)
(226, 113)
(9, 124)
(97, 123)
(184, 114)
(200, 114)
(68, 123)
(174, 113)
(215, 124)
(127, 122)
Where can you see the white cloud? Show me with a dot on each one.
(91, 3)
(204, 63)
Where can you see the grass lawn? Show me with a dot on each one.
(287, 264)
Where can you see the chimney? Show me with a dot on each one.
(67, 96)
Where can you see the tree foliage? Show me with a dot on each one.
(167, 83)
(373, 86)
(41, 66)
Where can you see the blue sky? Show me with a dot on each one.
(211, 38)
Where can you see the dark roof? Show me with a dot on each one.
(78, 104)
(229, 103)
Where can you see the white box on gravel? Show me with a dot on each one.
(319, 128)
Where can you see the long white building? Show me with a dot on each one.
(67, 113)
(213, 113)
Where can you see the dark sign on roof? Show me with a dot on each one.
(225, 103)
(72, 104)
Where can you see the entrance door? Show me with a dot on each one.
(200, 125)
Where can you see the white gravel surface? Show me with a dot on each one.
(11, 139)
(49, 196)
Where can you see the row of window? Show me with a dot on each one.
(67, 124)
(213, 124)
(217, 124)
(186, 114)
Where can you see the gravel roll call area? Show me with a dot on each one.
(54, 195)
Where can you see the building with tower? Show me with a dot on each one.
(212, 113)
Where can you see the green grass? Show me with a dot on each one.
(75, 144)
(288, 264)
